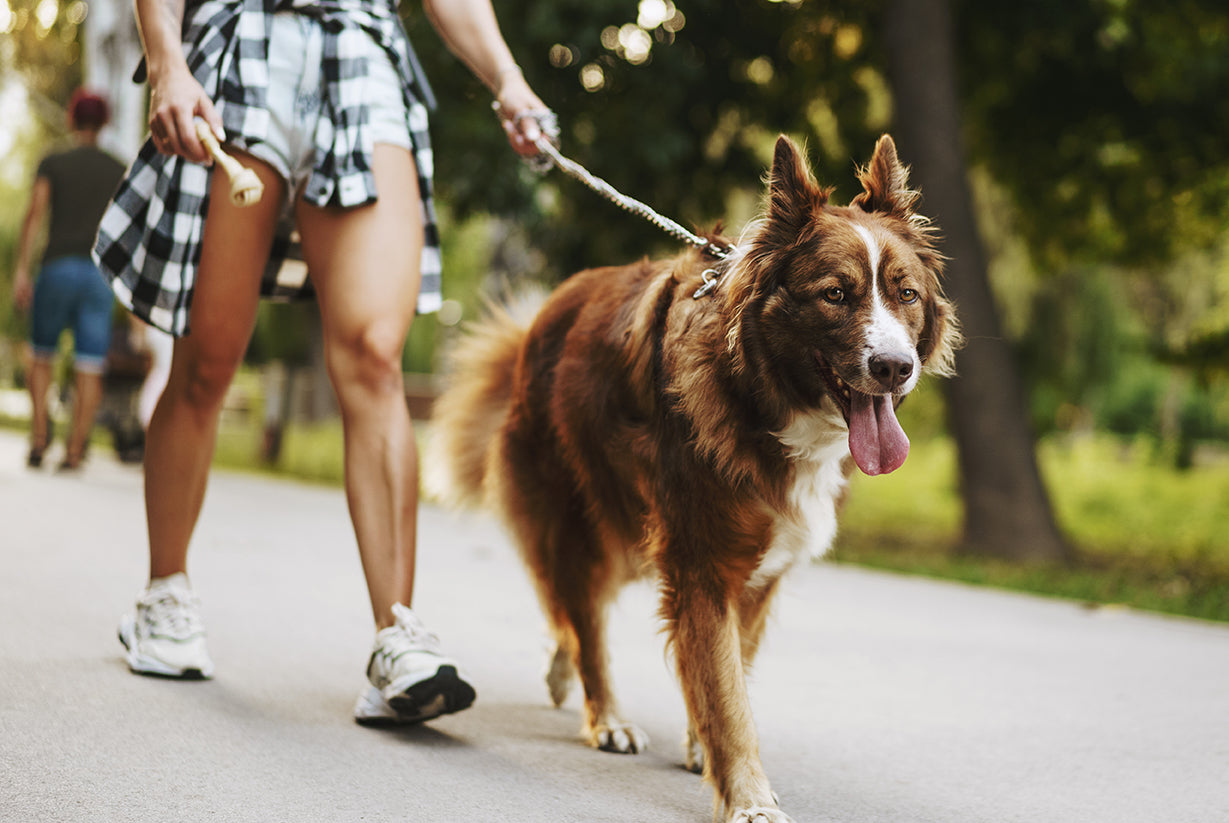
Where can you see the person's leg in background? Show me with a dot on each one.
(50, 314)
(92, 309)
(38, 381)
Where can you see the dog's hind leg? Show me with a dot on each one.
(575, 569)
(575, 582)
(581, 592)
(561, 670)
(604, 729)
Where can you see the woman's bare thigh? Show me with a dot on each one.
(366, 262)
(234, 253)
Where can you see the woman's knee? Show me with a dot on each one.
(202, 376)
(368, 362)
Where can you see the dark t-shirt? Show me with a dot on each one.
(82, 182)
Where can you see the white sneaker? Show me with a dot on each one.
(411, 679)
(165, 635)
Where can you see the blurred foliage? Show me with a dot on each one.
(1146, 534)
(41, 39)
(675, 106)
(1099, 139)
(1106, 119)
(1103, 124)
(39, 68)
(283, 332)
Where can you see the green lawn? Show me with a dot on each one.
(1145, 534)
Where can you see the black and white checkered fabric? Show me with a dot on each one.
(149, 239)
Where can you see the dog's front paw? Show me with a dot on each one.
(618, 737)
(759, 814)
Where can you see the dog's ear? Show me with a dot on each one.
(885, 183)
(940, 339)
(792, 191)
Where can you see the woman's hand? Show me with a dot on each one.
(175, 99)
(519, 109)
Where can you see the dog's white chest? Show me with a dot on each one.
(818, 443)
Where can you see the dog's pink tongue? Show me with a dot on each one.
(876, 440)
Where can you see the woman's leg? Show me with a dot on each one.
(180, 441)
(365, 266)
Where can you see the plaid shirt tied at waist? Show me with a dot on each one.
(149, 240)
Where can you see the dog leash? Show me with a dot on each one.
(574, 169)
(550, 156)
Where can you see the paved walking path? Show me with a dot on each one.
(878, 698)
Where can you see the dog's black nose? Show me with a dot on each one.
(891, 370)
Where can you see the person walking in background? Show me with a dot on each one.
(334, 124)
(71, 190)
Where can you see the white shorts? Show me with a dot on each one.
(296, 83)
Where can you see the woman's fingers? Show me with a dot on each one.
(175, 102)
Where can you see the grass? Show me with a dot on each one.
(1145, 534)
(310, 452)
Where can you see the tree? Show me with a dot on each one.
(1105, 120)
(1007, 510)
(1104, 124)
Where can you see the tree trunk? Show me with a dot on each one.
(1007, 511)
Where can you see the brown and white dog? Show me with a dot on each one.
(631, 428)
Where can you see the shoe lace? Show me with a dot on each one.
(173, 613)
(410, 635)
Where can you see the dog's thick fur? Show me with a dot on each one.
(632, 428)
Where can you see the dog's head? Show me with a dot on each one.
(840, 308)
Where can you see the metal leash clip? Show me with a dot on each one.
(710, 282)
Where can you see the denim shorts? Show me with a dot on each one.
(296, 82)
(70, 293)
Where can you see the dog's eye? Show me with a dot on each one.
(908, 296)
(835, 294)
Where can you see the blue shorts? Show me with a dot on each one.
(70, 293)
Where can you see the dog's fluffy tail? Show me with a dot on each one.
(468, 416)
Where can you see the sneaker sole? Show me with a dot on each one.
(383, 722)
(140, 664)
(443, 693)
(373, 711)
